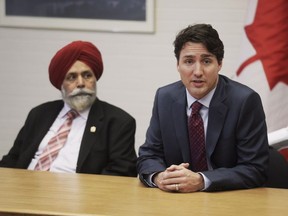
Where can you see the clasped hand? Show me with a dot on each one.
(178, 178)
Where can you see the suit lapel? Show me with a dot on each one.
(47, 118)
(179, 117)
(94, 123)
(217, 114)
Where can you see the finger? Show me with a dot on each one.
(178, 167)
(168, 187)
(172, 168)
(177, 187)
(172, 175)
(174, 187)
(171, 179)
(185, 165)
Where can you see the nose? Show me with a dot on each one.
(198, 70)
(80, 82)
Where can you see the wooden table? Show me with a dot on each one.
(26, 192)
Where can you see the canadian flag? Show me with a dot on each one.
(263, 62)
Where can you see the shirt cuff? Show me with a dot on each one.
(207, 181)
(148, 178)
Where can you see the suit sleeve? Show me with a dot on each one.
(29, 137)
(122, 155)
(20, 155)
(251, 150)
(9, 160)
(151, 155)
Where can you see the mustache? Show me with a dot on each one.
(81, 92)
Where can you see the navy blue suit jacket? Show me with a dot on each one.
(110, 150)
(236, 139)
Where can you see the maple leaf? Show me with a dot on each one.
(268, 34)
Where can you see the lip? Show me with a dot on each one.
(81, 94)
(197, 83)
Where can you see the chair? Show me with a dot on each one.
(284, 152)
(279, 140)
(277, 170)
(282, 148)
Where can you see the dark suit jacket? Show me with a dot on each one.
(236, 140)
(110, 150)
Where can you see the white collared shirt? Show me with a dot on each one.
(67, 158)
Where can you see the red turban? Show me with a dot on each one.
(68, 55)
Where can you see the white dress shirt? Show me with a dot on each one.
(66, 161)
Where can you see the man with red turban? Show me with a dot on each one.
(79, 134)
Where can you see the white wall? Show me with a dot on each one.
(135, 65)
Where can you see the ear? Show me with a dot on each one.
(178, 66)
(220, 66)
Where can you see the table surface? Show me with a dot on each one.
(27, 192)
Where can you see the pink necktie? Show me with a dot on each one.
(197, 139)
(56, 143)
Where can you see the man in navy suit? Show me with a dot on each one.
(234, 124)
(101, 139)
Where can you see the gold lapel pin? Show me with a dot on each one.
(93, 129)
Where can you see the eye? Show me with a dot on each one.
(71, 77)
(87, 75)
(207, 61)
(188, 61)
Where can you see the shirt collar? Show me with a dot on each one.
(66, 108)
(205, 101)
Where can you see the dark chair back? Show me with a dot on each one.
(277, 171)
(282, 147)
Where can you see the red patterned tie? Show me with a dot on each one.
(56, 143)
(197, 139)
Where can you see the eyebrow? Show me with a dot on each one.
(74, 72)
(202, 56)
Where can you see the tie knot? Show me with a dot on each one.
(72, 114)
(196, 106)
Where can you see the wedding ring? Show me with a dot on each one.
(177, 187)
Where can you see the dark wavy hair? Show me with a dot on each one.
(200, 33)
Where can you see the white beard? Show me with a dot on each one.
(79, 99)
